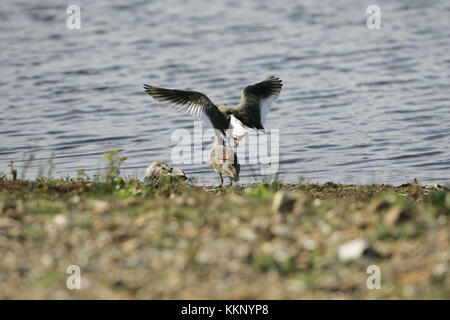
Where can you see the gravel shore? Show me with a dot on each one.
(274, 241)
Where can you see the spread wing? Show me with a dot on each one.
(193, 102)
(256, 101)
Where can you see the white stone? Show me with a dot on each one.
(352, 250)
(61, 220)
(433, 186)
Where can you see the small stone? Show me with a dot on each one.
(310, 244)
(191, 201)
(433, 186)
(296, 286)
(409, 290)
(324, 228)
(260, 224)
(280, 230)
(61, 220)
(415, 277)
(6, 223)
(178, 199)
(283, 202)
(47, 260)
(130, 245)
(376, 205)
(395, 216)
(442, 219)
(301, 204)
(100, 206)
(20, 206)
(353, 250)
(439, 269)
(247, 234)
(75, 199)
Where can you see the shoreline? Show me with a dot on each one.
(173, 240)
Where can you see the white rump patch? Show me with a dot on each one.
(238, 130)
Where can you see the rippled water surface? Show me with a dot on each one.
(357, 106)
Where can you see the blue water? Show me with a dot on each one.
(358, 105)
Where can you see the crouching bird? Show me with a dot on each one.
(230, 123)
(224, 161)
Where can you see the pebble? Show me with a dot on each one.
(283, 202)
(352, 250)
(310, 244)
(394, 216)
(61, 220)
(433, 186)
(439, 269)
(246, 234)
(100, 206)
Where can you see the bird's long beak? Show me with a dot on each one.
(236, 142)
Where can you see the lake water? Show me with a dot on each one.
(357, 106)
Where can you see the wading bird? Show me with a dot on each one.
(223, 160)
(230, 123)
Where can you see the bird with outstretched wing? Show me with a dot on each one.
(228, 122)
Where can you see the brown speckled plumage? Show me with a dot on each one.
(223, 160)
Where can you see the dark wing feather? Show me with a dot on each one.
(193, 102)
(256, 102)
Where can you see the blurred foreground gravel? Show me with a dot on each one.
(259, 242)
